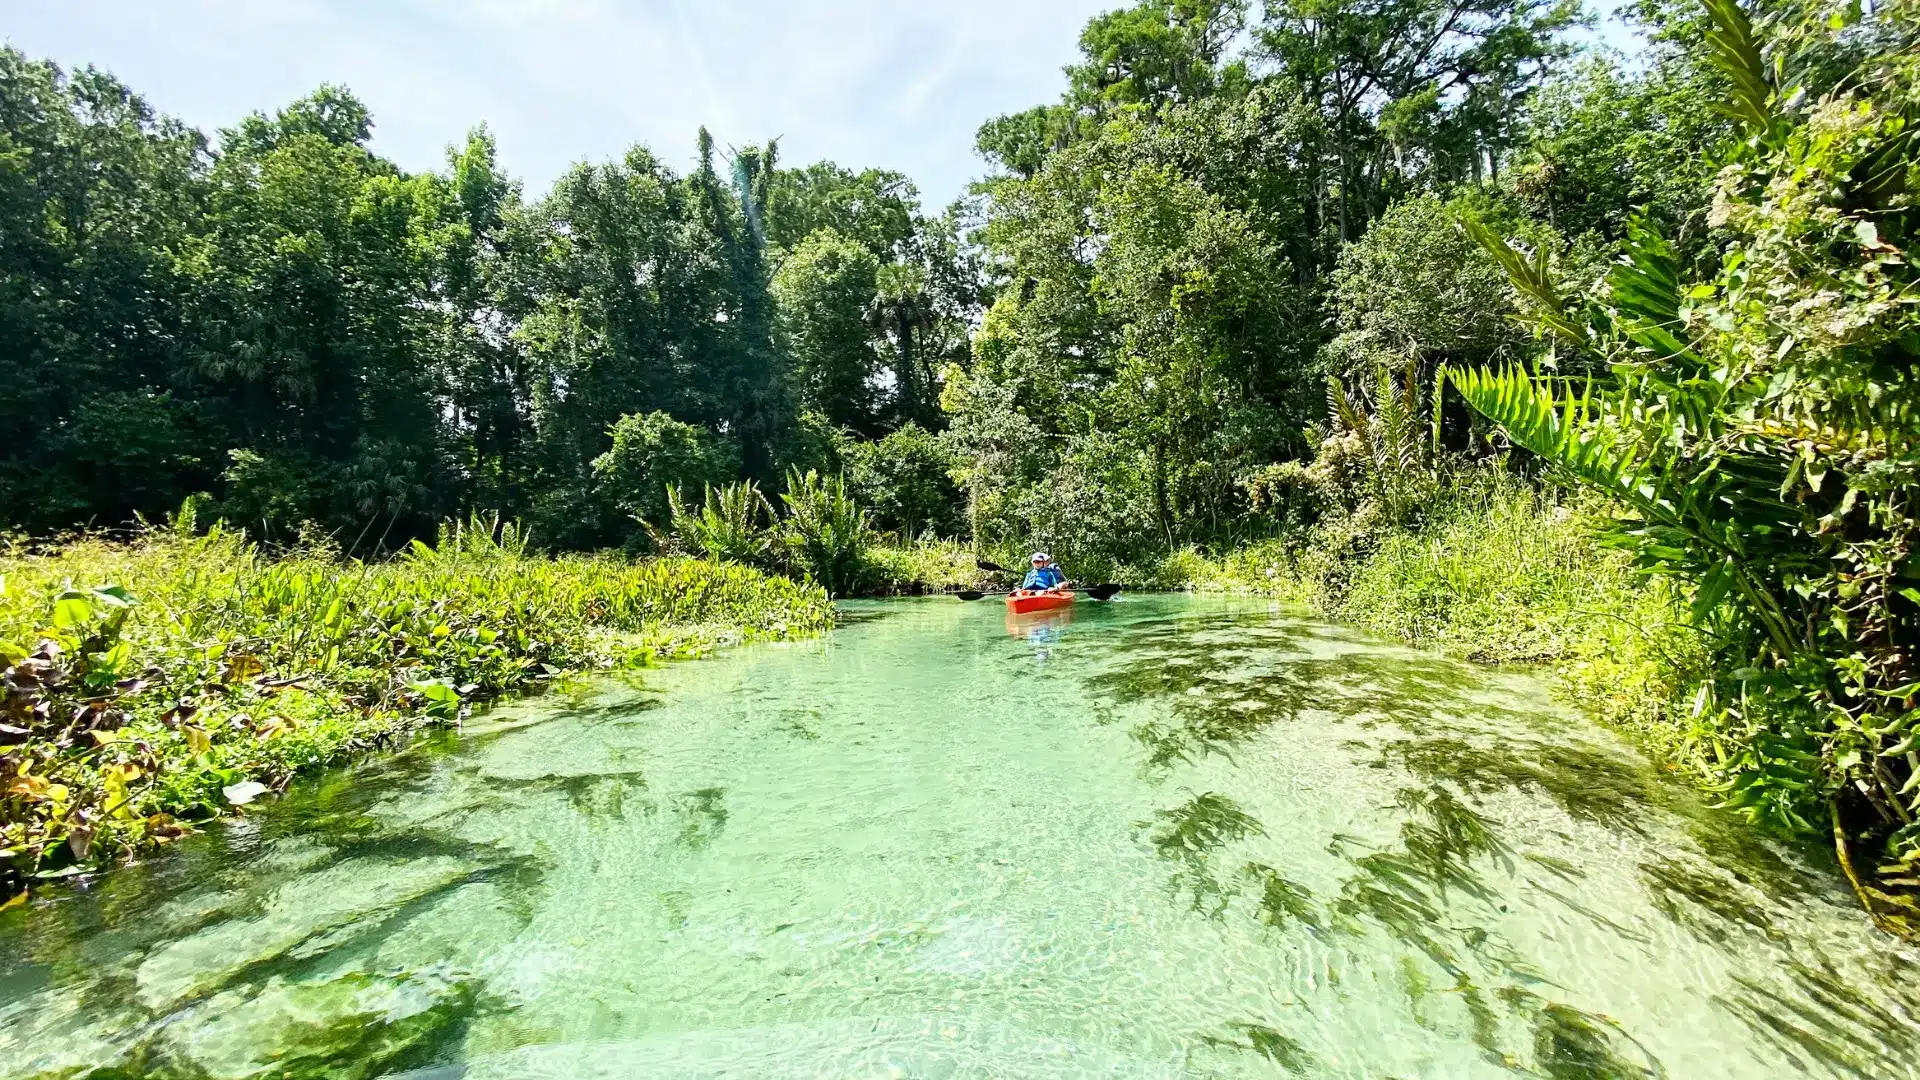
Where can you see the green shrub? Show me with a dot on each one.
(653, 452)
(731, 525)
(921, 566)
(905, 482)
(826, 533)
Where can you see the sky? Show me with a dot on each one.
(901, 85)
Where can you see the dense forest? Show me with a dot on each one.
(1294, 275)
(1130, 319)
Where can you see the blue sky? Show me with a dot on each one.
(899, 84)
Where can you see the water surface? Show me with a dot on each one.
(1168, 837)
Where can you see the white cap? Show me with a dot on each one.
(1041, 556)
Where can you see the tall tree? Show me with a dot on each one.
(98, 198)
(308, 290)
(825, 288)
(1407, 88)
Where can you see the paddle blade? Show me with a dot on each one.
(994, 567)
(969, 595)
(1104, 592)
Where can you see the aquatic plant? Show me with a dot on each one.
(192, 674)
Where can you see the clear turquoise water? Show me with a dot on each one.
(1171, 837)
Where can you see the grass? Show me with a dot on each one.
(1500, 574)
(155, 683)
(919, 567)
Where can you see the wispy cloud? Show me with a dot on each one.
(890, 83)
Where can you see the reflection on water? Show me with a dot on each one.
(1040, 629)
(1215, 841)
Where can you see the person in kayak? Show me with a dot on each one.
(1044, 576)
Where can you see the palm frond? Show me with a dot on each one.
(1561, 432)
(1533, 278)
(1645, 290)
(1350, 413)
(1731, 47)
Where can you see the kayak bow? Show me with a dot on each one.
(1022, 601)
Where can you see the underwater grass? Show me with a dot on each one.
(153, 683)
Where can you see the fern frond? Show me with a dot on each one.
(1561, 432)
(1731, 48)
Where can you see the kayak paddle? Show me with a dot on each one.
(1098, 592)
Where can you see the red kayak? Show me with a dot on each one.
(1022, 601)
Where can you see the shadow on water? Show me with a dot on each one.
(1211, 685)
(223, 959)
(1424, 906)
(1406, 891)
(1833, 1028)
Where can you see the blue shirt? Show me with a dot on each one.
(1043, 578)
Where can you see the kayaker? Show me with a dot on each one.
(1044, 576)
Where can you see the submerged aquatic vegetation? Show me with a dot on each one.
(153, 683)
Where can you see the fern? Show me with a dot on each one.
(1533, 278)
(729, 526)
(1731, 48)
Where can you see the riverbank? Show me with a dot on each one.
(156, 683)
(1499, 573)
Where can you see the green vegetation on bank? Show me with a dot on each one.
(1500, 573)
(154, 683)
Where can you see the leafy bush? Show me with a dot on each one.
(1416, 286)
(185, 667)
(826, 533)
(732, 525)
(919, 567)
(905, 481)
(1095, 511)
(654, 451)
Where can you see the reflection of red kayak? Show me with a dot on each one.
(1021, 601)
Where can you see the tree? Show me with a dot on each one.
(308, 290)
(1019, 143)
(1601, 143)
(653, 452)
(824, 289)
(905, 482)
(1155, 52)
(875, 208)
(1410, 89)
(97, 195)
(1417, 288)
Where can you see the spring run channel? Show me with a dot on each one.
(1166, 837)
